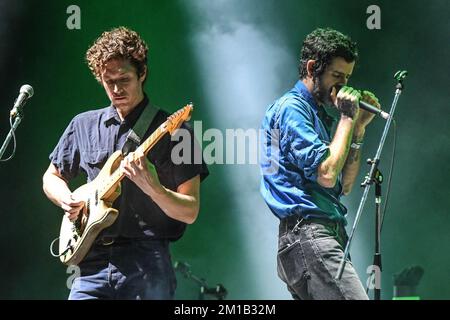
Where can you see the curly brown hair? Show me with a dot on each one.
(120, 42)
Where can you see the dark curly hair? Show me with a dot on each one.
(322, 45)
(120, 42)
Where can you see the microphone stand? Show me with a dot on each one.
(11, 133)
(374, 176)
(219, 292)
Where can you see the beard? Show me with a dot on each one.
(321, 93)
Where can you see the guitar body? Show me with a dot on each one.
(76, 238)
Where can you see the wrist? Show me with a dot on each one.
(347, 119)
(356, 145)
(358, 134)
(64, 197)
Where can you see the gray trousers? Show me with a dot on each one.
(309, 254)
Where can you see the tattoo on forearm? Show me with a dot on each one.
(353, 156)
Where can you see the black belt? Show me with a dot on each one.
(294, 220)
(107, 241)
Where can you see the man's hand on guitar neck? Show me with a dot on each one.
(182, 204)
(139, 170)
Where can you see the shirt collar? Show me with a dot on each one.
(112, 115)
(321, 111)
(304, 92)
(325, 114)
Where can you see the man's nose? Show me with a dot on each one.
(116, 88)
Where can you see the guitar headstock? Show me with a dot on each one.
(175, 120)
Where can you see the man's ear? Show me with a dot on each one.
(144, 74)
(310, 67)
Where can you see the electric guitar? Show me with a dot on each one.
(76, 237)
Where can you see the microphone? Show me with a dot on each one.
(26, 92)
(368, 107)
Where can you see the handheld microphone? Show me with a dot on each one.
(368, 107)
(26, 92)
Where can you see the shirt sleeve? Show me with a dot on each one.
(66, 155)
(187, 158)
(299, 140)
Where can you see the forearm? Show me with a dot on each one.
(352, 164)
(55, 188)
(182, 204)
(332, 166)
(176, 205)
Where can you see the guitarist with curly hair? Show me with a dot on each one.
(158, 197)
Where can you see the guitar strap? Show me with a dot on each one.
(139, 129)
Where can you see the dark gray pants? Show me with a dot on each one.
(309, 254)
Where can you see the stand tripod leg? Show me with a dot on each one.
(377, 255)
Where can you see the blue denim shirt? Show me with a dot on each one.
(302, 131)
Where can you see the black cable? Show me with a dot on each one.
(391, 169)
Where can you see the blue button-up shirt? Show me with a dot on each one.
(301, 131)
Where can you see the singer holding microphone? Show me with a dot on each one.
(319, 126)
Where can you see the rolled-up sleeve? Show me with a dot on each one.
(299, 139)
(195, 164)
(66, 155)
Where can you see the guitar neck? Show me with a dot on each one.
(152, 139)
(111, 183)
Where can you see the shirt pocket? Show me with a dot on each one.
(94, 159)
